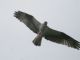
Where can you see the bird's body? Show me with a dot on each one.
(41, 33)
(42, 30)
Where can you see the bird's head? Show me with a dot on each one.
(45, 23)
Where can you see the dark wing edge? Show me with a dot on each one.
(61, 38)
(28, 20)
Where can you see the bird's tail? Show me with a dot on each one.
(37, 40)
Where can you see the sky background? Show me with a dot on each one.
(16, 38)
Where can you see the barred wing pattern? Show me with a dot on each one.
(61, 38)
(28, 20)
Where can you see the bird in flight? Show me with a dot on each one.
(42, 30)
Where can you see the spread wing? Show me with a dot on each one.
(28, 20)
(61, 38)
(52, 35)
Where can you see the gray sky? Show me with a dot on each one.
(16, 38)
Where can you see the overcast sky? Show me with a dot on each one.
(16, 38)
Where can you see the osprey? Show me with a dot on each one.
(42, 30)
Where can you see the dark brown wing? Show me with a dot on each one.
(61, 38)
(28, 20)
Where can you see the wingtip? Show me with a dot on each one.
(78, 46)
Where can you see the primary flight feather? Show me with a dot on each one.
(42, 30)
